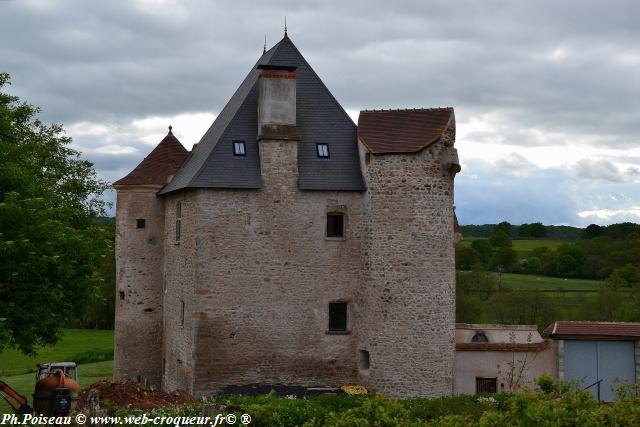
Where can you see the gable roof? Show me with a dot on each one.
(161, 163)
(320, 118)
(606, 330)
(402, 131)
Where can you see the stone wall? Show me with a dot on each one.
(263, 275)
(409, 296)
(180, 301)
(139, 260)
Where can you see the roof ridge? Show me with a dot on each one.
(407, 109)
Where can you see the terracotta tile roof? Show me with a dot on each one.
(593, 330)
(162, 162)
(402, 131)
(502, 346)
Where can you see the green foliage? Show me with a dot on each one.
(501, 238)
(555, 404)
(628, 275)
(50, 241)
(466, 257)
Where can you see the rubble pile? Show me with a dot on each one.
(130, 394)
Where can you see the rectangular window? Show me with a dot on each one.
(486, 385)
(335, 224)
(121, 295)
(239, 148)
(363, 360)
(323, 150)
(338, 316)
(141, 223)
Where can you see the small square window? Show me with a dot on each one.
(335, 225)
(141, 223)
(486, 385)
(239, 148)
(337, 316)
(323, 150)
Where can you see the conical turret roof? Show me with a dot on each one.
(159, 165)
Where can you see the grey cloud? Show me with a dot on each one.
(567, 67)
(597, 169)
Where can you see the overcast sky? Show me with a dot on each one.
(546, 93)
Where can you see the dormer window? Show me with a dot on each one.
(239, 148)
(323, 150)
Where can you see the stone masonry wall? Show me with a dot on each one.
(180, 302)
(409, 296)
(265, 274)
(139, 258)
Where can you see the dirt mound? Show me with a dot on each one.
(130, 394)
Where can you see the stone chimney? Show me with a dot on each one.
(277, 103)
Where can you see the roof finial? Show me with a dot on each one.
(170, 127)
(285, 25)
(264, 49)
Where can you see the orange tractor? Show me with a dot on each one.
(55, 392)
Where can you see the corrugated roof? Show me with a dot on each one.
(162, 162)
(593, 329)
(319, 119)
(402, 131)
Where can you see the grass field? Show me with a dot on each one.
(17, 370)
(75, 342)
(545, 283)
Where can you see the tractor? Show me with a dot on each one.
(55, 391)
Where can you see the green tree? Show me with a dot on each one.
(592, 231)
(538, 230)
(501, 239)
(504, 226)
(524, 231)
(484, 248)
(466, 257)
(628, 275)
(50, 241)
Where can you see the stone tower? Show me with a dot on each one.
(139, 264)
(407, 343)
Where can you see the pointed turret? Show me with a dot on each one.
(160, 165)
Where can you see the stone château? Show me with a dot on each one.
(291, 246)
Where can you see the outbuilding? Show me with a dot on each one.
(599, 356)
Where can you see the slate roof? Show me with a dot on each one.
(162, 162)
(606, 330)
(319, 119)
(402, 131)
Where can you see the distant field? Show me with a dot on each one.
(533, 282)
(17, 370)
(74, 342)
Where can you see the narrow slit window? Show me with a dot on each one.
(182, 313)
(141, 223)
(178, 220)
(323, 150)
(363, 360)
(335, 225)
(239, 148)
(338, 316)
(121, 295)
